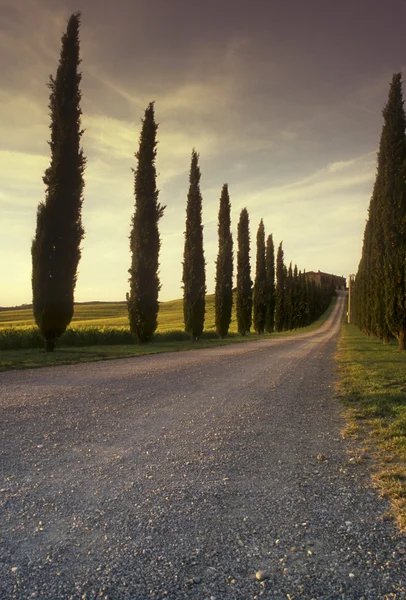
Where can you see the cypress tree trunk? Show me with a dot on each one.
(280, 316)
(56, 246)
(270, 277)
(194, 275)
(260, 285)
(244, 283)
(224, 267)
(142, 300)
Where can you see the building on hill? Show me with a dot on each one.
(326, 279)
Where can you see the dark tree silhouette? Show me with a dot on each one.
(142, 300)
(280, 316)
(270, 279)
(244, 283)
(194, 267)
(260, 285)
(224, 267)
(56, 246)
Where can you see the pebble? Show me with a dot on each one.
(261, 575)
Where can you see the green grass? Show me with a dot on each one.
(171, 340)
(113, 315)
(373, 387)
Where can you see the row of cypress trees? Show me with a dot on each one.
(379, 291)
(292, 303)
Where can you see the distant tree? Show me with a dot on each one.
(302, 300)
(280, 316)
(296, 299)
(289, 298)
(260, 285)
(393, 205)
(56, 246)
(142, 300)
(194, 266)
(270, 278)
(224, 267)
(244, 283)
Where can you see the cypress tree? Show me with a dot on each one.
(194, 273)
(260, 295)
(56, 246)
(224, 267)
(393, 206)
(289, 301)
(302, 299)
(270, 277)
(142, 300)
(244, 283)
(296, 299)
(380, 285)
(280, 316)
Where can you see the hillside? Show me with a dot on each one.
(113, 314)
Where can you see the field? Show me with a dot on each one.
(373, 388)
(114, 315)
(100, 331)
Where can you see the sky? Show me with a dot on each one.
(282, 99)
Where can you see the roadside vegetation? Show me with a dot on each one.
(373, 388)
(56, 249)
(379, 290)
(84, 345)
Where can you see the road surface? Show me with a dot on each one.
(183, 475)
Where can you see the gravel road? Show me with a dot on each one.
(183, 475)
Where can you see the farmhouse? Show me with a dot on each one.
(326, 279)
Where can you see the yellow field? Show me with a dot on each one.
(115, 314)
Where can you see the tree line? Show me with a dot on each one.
(379, 292)
(290, 302)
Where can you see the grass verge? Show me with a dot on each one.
(171, 341)
(372, 386)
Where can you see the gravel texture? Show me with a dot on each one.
(213, 474)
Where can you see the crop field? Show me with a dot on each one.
(114, 315)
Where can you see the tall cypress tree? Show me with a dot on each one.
(56, 246)
(280, 316)
(393, 204)
(142, 300)
(260, 285)
(289, 298)
(244, 283)
(270, 278)
(224, 267)
(379, 298)
(296, 299)
(194, 267)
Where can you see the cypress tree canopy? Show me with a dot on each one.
(379, 294)
(270, 278)
(260, 285)
(142, 300)
(280, 316)
(244, 283)
(194, 267)
(224, 267)
(59, 232)
(393, 201)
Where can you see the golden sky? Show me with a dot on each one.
(281, 99)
